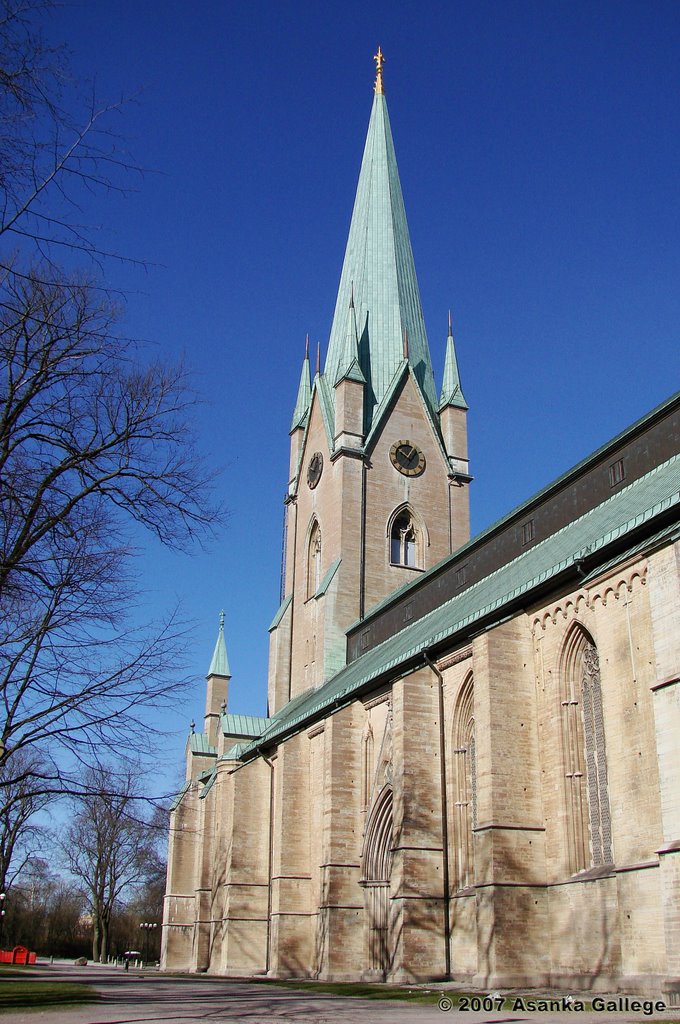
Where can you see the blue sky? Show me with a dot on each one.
(539, 152)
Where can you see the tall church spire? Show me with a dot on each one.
(379, 266)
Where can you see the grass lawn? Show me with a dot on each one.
(32, 994)
(364, 991)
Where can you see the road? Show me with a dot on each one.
(130, 997)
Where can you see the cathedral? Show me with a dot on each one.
(470, 764)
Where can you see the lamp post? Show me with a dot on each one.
(3, 896)
(147, 926)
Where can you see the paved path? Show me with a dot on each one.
(128, 998)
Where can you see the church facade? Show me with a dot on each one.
(470, 765)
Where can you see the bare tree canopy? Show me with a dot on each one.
(95, 443)
(88, 443)
(57, 145)
(19, 835)
(108, 848)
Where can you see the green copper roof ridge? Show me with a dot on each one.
(304, 395)
(452, 392)
(328, 578)
(280, 612)
(379, 266)
(219, 666)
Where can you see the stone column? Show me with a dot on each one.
(664, 599)
(291, 943)
(512, 903)
(340, 937)
(179, 912)
(417, 914)
(244, 877)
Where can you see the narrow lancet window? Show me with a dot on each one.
(587, 796)
(403, 540)
(464, 787)
(314, 560)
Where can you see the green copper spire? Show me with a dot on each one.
(304, 394)
(379, 264)
(452, 393)
(219, 666)
(349, 368)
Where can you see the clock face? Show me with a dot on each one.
(314, 469)
(407, 458)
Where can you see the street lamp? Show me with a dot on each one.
(2, 914)
(147, 926)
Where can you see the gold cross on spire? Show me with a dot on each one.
(379, 61)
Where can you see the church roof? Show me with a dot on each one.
(199, 743)
(219, 666)
(243, 725)
(379, 273)
(648, 504)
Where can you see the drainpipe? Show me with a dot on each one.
(445, 818)
(292, 504)
(362, 555)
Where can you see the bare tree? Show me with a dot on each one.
(57, 145)
(108, 847)
(88, 444)
(94, 443)
(20, 836)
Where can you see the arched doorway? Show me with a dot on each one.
(376, 876)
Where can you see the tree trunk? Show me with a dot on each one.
(95, 939)
(105, 925)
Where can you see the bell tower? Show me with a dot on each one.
(378, 483)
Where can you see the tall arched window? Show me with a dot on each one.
(314, 560)
(403, 540)
(587, 796)
(464, 786)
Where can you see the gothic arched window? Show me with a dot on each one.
(314, 560)
(403, 540)
(588, 815)
(464, 786)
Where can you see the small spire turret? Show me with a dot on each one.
(304, 395)
(219, 666)
(349, 367)
(452, 392)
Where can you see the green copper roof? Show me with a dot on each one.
(283, 607)
(200, 744)
(452, 393)
(304, 394)
(379, 270)
(650, 498)
(328, 578)
(219, 666)
(243, 725)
